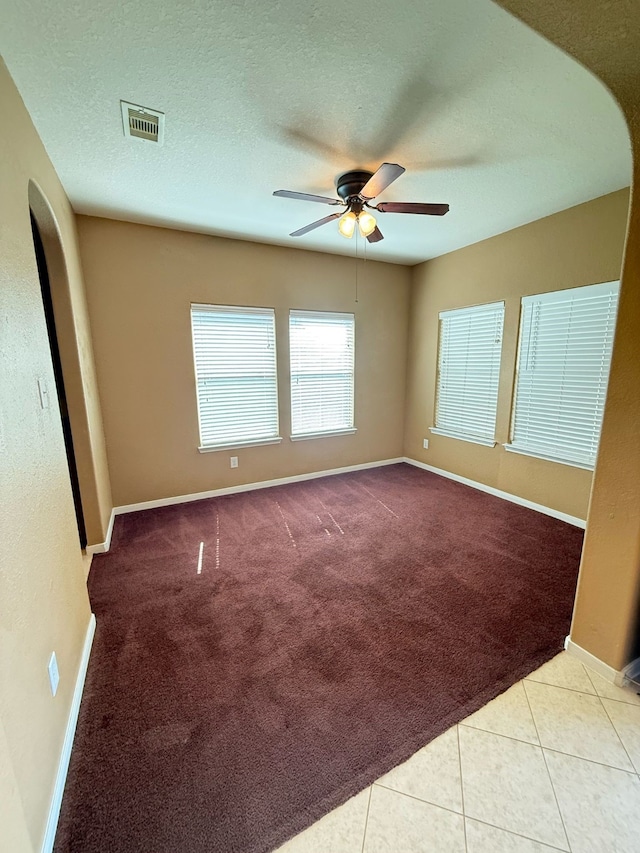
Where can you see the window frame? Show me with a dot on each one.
(250, 310)
(519, 446)
(469, 310)
(336, 431)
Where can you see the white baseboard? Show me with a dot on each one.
(297, 478)
(103, 547)
(594, 663)
(507, 496)
(249, 487)
(63, 764)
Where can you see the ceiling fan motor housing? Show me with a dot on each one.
(350, 184)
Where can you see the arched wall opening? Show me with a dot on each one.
(47, 300)
(73, 401)
(606, 619)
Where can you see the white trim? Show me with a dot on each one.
(607, 672)
(238, 445)
(507, 496)
(249, 487)
(305, 435)
(103, 547)
(63, 764)
(487, 442)
(515, 448)
(473, 310)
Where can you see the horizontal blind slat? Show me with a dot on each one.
(322, 352)
(564, 353)
(236, 381)
(470, 347)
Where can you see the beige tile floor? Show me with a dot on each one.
(552, 764)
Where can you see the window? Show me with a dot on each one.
(322, 360)
(468, 372)
(564, 355)
(235, 361)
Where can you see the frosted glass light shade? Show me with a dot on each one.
(347, 224)
(367, 224)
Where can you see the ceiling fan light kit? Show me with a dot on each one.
(366, 223)
(356, 189)
(347, 224)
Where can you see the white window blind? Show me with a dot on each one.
(469, 372)
(566, 338)
(235, 362)
(322, 362)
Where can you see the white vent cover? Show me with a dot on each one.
(141, 123)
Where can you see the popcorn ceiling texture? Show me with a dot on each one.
(484, 114)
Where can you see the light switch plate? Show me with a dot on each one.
(425, 443)
(43, 390)
(54, 675)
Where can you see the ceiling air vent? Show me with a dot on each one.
(142, 123)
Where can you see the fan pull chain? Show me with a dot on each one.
(356, 266)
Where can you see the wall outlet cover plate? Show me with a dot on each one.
(54, 675)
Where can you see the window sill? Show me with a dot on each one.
(536, 455)
(237, 445)
(328, 434)
(487, 442)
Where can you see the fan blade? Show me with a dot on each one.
(412, 207)
(375, 236)
(306, 197)
(315, 224)
(386, 174)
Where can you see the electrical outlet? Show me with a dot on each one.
(425, 443)
(234, 461)
(54, 675)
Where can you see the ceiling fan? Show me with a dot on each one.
(356, 189)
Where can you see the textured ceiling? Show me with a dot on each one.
(483, 113)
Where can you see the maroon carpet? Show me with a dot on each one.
(336, 626)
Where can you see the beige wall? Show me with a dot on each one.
(76, 355)
(582, 245)
(140, 283)
(43, 598)
(606, 618)
(44, 603)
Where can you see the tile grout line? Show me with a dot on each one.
(559, 686)
(547, 748)
(591, 681)
(544, 758)
(464, 817)
(468, 817)
(366, 820)
(499, 734)
(602, 705)
(418, 799)
(631, 762)
(517, 834)
(611, 723)
(621, 701)
(589, 760)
